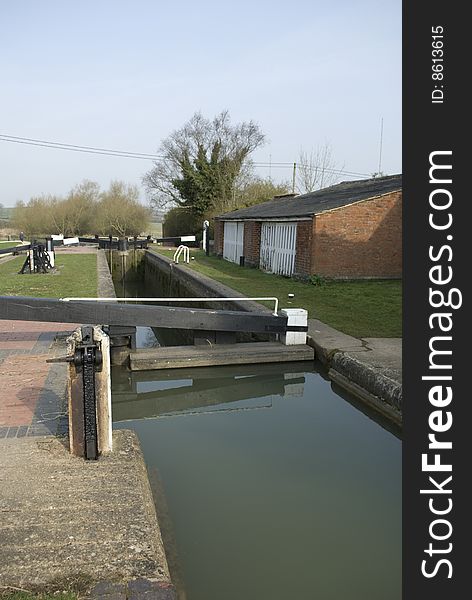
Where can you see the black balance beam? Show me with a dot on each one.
(24, 308)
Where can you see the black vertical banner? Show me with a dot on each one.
(437, 365)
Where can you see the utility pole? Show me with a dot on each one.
(380, 148)
(293, 176)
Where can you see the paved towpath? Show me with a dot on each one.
(32, 391)
(69, 523)
(367, 365)
(383, 354)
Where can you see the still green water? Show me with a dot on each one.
(276, 487)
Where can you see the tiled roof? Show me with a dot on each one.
(307, 205)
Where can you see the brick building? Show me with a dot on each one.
(349, 230)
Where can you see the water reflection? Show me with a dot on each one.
(276, 488)
(141, 395)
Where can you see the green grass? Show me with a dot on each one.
(76, 275)
(4, 244)
(31, 596)
(359, 308)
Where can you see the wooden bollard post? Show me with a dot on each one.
(79, 419)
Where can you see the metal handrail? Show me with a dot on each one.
(178, 252)
(208, 299)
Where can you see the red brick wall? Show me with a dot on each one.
(303, 256)
(362, 240)
(252, 243)
(219, 235)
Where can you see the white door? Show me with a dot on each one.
(233, 241)
(278, 247)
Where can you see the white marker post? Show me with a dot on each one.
(206, 247)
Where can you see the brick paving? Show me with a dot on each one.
(32, 391)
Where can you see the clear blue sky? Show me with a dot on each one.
(125, 73)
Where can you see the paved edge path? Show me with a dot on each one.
(33, 392)
(65, 520)
(369, 368)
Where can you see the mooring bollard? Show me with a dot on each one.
(296, 326)
(89, 392)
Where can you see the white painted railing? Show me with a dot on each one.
(207, 299)
(186, 252)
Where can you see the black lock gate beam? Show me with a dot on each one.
(24, 308)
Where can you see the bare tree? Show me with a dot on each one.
(201, 163)
(317, 169)
(39, 216)
(58, 217)
(258, 190)
(85, 210)
(119, 211)
(81, 205)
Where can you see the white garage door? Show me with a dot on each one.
(233, 241)
(278, 246)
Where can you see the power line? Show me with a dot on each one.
(76, 148)
(148, 156)
(326, 169)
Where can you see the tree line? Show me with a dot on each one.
(85, 210)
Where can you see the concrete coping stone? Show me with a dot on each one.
(378, 384)
(105, 287)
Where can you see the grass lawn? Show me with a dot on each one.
(4, 244)
(359, 308)
(29, 596)
(76, 275)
